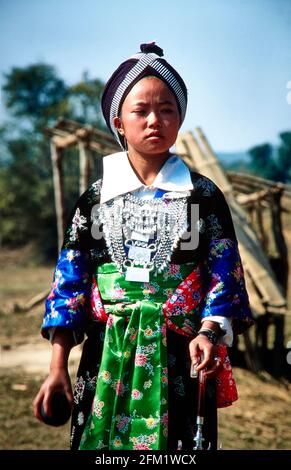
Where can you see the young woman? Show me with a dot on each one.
(156, 287)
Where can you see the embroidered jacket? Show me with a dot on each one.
(72, 300)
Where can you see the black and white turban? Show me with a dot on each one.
(148, 62)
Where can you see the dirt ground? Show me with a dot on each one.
(260, 419)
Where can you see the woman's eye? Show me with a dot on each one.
(167, 110)
(140, 111)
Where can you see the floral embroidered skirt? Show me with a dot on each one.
(133, 389)
(182, 392)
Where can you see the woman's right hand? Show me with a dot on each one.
(57, 381)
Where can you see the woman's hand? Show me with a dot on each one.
(203, 355)
(57, 381)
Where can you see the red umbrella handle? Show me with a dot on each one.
(198, 439)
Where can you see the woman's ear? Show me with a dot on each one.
(118, 124)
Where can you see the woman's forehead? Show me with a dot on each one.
(149, 86)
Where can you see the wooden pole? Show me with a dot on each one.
(261, 230)
(221, 179)
(56, 156)
(195, 152)
(282, 270)
(183, 151)
(84, 154)
(251, 356)
(83, 135)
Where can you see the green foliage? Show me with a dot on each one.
(36, 93)
(25, 188)
(84, 101)
(270, 163)
(262, 161)
(284, 157)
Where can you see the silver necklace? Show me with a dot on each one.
(149, 229)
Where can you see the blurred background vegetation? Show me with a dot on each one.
(35, 97)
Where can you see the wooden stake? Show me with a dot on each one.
(56, 156)
(84, 154)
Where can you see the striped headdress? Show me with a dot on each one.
(148, 62)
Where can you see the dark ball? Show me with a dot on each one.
(60, 410)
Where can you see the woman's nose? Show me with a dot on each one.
(153, 119)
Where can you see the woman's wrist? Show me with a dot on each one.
(62, 345)
(59, 361)
(208, 324)
(210, 335)
(211, 330)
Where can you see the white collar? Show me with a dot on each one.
(119, 177)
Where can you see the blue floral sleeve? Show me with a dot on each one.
(67, 303)
(225, 289)
(227, 295)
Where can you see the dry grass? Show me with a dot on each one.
(19, 430)
(260, 419)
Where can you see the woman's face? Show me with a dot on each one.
(149, 119)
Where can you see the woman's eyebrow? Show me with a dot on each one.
(167, 102)
(144, 103)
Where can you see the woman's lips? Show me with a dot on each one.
(154, 136)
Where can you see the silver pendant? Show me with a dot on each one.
(137, 274)
(143, 237)
(139, 254)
